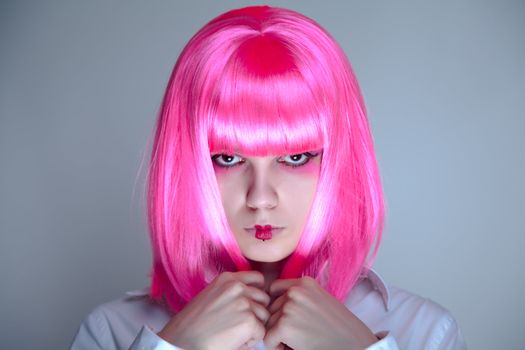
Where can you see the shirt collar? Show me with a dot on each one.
(377, 283)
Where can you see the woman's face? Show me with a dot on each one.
(273, 190)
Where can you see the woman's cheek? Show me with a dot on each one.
(228, 179)
(219, 170)
(226, 172)
(309, 169)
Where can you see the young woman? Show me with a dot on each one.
(265, 205)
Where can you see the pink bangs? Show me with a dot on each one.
(264, 106)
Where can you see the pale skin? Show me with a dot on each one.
(237, 309)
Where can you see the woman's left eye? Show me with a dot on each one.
(226, 160)
(296, 160)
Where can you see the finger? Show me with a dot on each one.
(258, 331)
(251, 278)
(231, 288)
(257, 295)
(278, 287)
(277, 303)
(272, 320)
(274, 336)
(260, 312)
(249, 308)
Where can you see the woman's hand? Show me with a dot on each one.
(304, 316)
(230, 311)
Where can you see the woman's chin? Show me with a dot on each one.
(266, 254)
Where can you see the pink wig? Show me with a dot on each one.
(261, 81)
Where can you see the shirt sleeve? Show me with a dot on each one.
(386, 342)
(448, 336)
(148, 340)
(95, 333)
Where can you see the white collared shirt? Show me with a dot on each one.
(400, 319)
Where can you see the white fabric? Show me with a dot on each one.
(400, 319)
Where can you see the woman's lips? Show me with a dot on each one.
(264, 232)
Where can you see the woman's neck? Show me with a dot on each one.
(270, 270)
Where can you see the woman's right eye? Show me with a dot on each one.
(226, 160)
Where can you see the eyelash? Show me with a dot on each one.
(308, 155)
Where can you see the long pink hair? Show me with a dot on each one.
(261, 81)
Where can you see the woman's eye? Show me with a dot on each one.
(296, 160)
(226, 160)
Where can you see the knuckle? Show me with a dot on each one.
(308, 280)
(259, 331)
(253, 320)
(261, 312)
(242, 303)
(260, 295)
(250, 320)
(266, 314)
(282, 321)
(266, 298)
(256, 273)
(235, 287)
(294, 292)
(288, 309)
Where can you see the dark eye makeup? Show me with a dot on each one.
(296, 160)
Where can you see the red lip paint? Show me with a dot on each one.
(263, 232)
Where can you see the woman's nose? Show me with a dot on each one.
(261, 193)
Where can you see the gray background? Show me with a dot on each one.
(80, 86)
